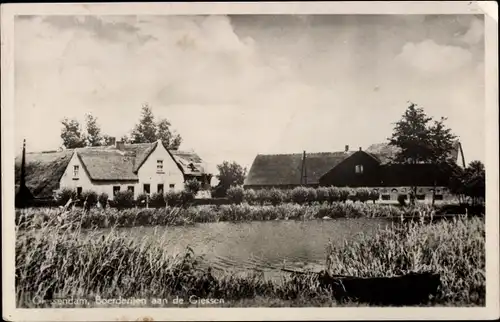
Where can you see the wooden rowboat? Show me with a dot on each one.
(403, 290)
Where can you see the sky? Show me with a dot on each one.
(237, 86)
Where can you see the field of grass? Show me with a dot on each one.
(168, 216)
(57, 262)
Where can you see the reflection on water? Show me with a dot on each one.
(264, 246)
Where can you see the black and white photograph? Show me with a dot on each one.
(212, 159)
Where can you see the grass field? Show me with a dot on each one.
(57, 262)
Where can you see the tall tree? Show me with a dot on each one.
(71, 134)
(442, 144)
(94, 137)
(421, 140)
(170, 140)
(230, 174)
(145, 130)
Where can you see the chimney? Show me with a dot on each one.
(346, 148)
(120, 145)
(360, 149)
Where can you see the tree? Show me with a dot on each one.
(107, 140)
(148, 131)
(145, 130)
(93, 137)
(441, 142)
(469, 183)
(230, 174)
(170, 140)
(71, 134)
(420, 141)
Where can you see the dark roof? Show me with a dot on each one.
(44, 169)
(286, 169)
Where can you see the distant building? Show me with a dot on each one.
(141, 168)
(370, 168)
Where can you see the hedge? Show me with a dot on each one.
(301, 195)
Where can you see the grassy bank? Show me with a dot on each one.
(57, 262)
(168, 216)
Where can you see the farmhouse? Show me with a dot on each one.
(370, 168)
(140, 168)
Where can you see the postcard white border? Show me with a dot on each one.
(488, 8)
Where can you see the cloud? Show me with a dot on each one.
(106, 28)
(429, 57)
(475, 33)
(237, 86)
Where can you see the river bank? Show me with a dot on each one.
(55, 261)
(178, 216)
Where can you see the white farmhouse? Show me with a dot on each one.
(141, 168)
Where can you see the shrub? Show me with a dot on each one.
(300, 195)
(311, 195)
(344, 194)
(235, 194)
(402, 199)
(157, 200)
(275, 196)
(185, 198)
(172, 198)
(374, 195)
(91, 198)
(322, 194)
(333, 194)
(362, 194)
(143, 199)
(250, 196)
(192, 186)
(103, 199)
(63, 195)
(124, 199)
(262, 196)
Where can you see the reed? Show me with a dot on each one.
(454, 248)
(61, 261)
(176, 216)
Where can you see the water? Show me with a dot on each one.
(265, 246)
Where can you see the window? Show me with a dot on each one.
(386, 197)
(79, 191)
(359, 168)
(171, 186)
(438, 197)
(421, 197)
(116, 189)
(130, 188)
(160, 188)
(159, 166)
(394, 190)
(76, 168)
(147, 188)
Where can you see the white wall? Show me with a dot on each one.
(171, 174)
(147, 174)
(84, 181)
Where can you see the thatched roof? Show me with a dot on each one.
(43, 171)
(286, 169)
(107, 163)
